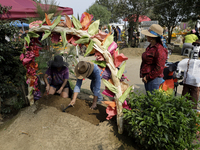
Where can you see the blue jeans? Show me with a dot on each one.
(92, 87)
(153, 84)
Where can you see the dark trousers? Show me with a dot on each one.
(194, 93)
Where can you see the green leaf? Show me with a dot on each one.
(89, 48)
(108, 41)
(100, 63)
(83, 40)
(76, 23)
(125, 94)
(142, 123)
(117, 50)
(158, 118)
(94, 28)
(56, 22)
(110, 86)
(121, 70)
(33, 34)
(47, 33)
(49, 16)
(64, 40)
(27, 38)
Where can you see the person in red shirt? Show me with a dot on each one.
(154, 58)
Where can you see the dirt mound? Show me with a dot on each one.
(81, 109)
(44, 126)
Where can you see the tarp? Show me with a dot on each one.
(26, 8)
(17, 23)
(141, 18)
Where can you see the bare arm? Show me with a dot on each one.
(47, 83)
(74, 98)
(62, 87)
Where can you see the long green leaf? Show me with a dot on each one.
(100, 63)
(110, 86)
(27, 38)
(125, 94)
(121, 70)
(64, 40)
(55, 22)
(33, 34)
(94, 28)
(47, 33)
(89, 48)
(108, 41)
(76, 23)
(83, 40)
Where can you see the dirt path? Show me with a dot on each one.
(44, 126)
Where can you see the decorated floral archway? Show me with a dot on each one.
(76, 32)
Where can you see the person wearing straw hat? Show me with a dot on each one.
(154, 58)
(59, 73)
(85, 69)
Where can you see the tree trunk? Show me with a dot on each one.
(169, 35)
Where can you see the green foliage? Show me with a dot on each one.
(114, 7)
(4, 9)
(172, 13)
(12, 71)
(160, 121)
(41, 10)
(100, 13)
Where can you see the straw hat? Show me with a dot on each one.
(153, 28)
(83, 69)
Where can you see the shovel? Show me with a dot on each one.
(67, 107)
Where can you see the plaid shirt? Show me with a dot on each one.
(153, 62)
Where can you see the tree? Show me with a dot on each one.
(48, 8)
(111, 6)
(132, 9)
(170, 13)
(100, 13)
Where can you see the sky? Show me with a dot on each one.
(78, 6)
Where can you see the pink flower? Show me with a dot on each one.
(118, 59)
(125, 105)
(108, 93)
(21, 56)
(112, 47)
(100, 36)
(35, 23)
(111, 112)
(26, 61)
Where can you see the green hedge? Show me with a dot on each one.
(160, 121)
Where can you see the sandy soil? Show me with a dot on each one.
(44, 126)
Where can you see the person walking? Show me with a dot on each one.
(154, 58)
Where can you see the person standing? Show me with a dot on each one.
(115, 34)
(119, 31)
(188, 40)
(154, 58)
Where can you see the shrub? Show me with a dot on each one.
(161, 121)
